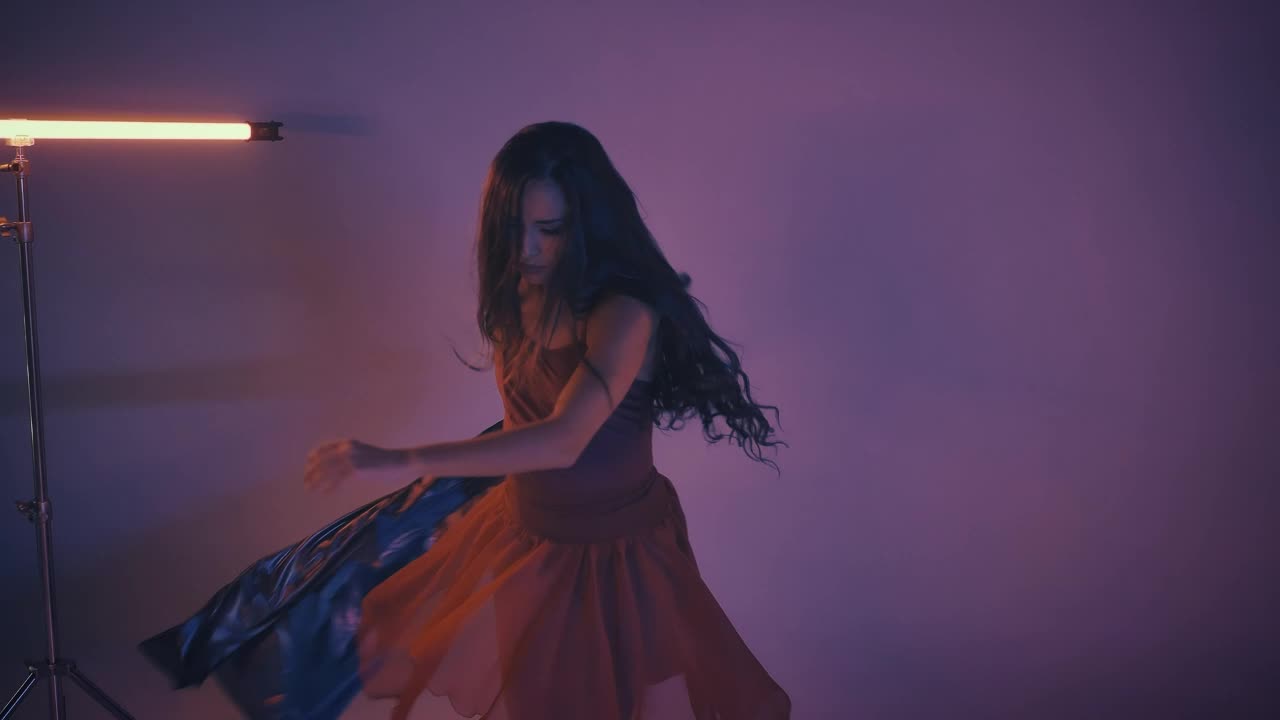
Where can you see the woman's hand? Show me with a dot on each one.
(334, 462)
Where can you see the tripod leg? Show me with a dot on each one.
(97, 694)
(57, 698)
(16, 700)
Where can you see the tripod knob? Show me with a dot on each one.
(33, 510)
(19, 231)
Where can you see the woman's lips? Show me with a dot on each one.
(533, 268)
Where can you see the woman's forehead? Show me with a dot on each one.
(541, 200)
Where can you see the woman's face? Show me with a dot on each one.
(541, 229)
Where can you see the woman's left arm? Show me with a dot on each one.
(541, 445)
(617, 336)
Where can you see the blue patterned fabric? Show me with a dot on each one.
(280, 638)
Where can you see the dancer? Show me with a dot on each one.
(541, 569)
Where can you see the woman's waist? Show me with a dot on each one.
(580, 488)
(585, 509)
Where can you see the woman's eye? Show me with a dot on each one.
(552, 231)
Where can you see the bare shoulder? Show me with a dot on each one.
(627, 324)
(618, 337)
(619, 312)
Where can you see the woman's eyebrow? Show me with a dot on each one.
(548, 221)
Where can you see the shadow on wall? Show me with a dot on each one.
(260, 380)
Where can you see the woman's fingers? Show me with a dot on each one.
(325, 469)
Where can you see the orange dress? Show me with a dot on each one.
(565, 594)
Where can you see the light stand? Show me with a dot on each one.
(40, 509)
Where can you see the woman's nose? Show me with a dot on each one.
(532, 243)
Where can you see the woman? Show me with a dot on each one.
(550, 575)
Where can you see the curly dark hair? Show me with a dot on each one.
(608, 250)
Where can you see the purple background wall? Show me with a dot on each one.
(1009, 273)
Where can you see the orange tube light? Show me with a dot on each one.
(96, 130)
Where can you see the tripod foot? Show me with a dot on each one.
(62, 668)
(17, 698)
(96, 693)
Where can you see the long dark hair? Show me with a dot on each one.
(608, 250)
